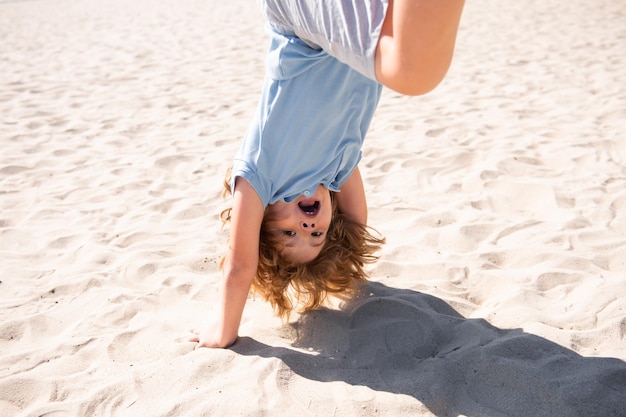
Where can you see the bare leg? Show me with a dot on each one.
(416, 44)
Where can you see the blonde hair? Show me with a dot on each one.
(338, 269)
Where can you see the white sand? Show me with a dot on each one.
(502, 194)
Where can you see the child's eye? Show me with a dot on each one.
(317, 234)
(289, 233)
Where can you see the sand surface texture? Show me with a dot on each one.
(502, 195)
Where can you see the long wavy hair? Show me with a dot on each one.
(338, 270)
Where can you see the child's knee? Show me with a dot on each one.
(410, 76)
(416, 44)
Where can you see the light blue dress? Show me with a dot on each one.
(310, 122)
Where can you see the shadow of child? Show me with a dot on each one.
(406, 342)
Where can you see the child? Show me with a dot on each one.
(299, 213)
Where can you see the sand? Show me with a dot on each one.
(502, 194)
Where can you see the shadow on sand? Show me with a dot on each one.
(406, 342)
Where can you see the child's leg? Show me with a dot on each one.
(416, 44)
(406, 45)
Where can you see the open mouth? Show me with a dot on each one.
(309, 208)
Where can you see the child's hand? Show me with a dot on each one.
(211, 337)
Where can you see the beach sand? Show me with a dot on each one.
(501, 290)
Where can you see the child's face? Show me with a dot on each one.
(301, 226)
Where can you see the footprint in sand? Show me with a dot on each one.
(125, 347)
(18, 393)
(13, 169)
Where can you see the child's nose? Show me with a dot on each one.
(306, 225)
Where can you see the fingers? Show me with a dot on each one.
(195, 338)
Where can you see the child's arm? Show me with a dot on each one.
(351, 198)
(416, 44)
(239, 267)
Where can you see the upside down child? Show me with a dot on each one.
(299, 215)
